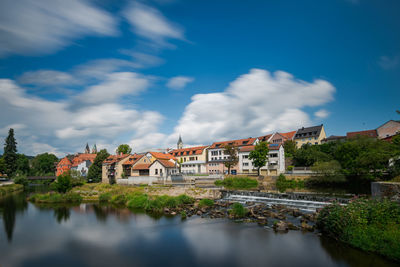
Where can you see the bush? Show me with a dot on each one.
(282, 183)
(118, 199)
(205, 202)
(185, 199)
(238, 211)
(63, 183)
(22, 180)
(138, 201)
(371, 225)
(72, 197)
(105, 197)
(238, 182)
(290, 168)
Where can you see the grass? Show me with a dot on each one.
(11, 188)
(282, 184)
(370, 225)
(205, 202)
(52, 197)
(238, 211)
(237, 182)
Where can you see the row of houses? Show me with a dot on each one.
(210, 159)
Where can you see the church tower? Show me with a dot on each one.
(87, 149)
(94, 149)
(180, 143)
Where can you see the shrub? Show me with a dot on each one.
(185, 199)
(238, 211)
(205, 202)
(238, 182)
(282, 183)
(118, 199)
(22, 180)
(105, 197)
(72, 197)
(138, 201)
(183, 215)
(63, 183)
(367, 224)
(290, 168)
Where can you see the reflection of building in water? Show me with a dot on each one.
(102, 212)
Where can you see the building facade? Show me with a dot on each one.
(163, 168)
(388, 129)
(192, 159)
(309, 135)
(112, 168)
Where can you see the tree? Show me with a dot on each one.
(22, 164)
(63, 183)
(44, 164)
(329, 172)
(232, 159)
(290, 148)
(259, 155)
(10, 153)
(308, 154)
(94, 173)
(3, 166)
(124, 149)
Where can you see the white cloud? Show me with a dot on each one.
(255, 103)
(47, 78)
(321, 114)
(116, 85)
(151, 24)
(45, 26)
(179, 82)
(388, 63)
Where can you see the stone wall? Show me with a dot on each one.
(386, 190)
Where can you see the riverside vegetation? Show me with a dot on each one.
(370, 225)
(237, 182)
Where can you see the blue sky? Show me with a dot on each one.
(143, 72)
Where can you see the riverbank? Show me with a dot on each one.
(7, 189)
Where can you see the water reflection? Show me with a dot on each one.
(101, 235)
(9, 207)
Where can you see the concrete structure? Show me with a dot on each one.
(388, 129)
(310, 135)
(217, 157)
(274, 166)
(112, 168)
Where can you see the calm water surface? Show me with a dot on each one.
(93, 235)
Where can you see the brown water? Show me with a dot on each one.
(93, 235)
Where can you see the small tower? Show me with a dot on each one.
(94, 149)
(180, 143)
(87, 149)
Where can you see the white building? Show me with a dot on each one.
(163, 168)
(193, 167)
(275, 164)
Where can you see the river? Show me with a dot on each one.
(93, 235)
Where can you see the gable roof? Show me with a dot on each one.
(64, 161)
(132, 159)
(115, 158)
(313, 131)
(274, 146)
(235, 143)
(264, 138)
(288, 135)
(165, 163)
(159, 155)
(198, 150)
(388, 122)
(369, 133)
(83, 157)
(142, 166)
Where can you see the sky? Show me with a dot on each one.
(144, 72)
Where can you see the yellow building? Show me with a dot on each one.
(310, 135)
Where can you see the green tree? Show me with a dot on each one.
(329, 172)
(290, 148)
(308, 154)
(44, 164)
(22, 164)
(94, 173)
(10, 153)
(233, 159)
(3, 166)
(63, 183)
(124, 149)
(259, 155)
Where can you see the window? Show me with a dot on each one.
(156, 171)
(245, 164)
(219, 152)
(273, 155)
(316, 143)
(160, 171)
(245, 156)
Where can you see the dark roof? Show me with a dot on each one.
(313, 131)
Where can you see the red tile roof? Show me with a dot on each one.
(165, 163)
(369, 133)
(288, 135)
(264, 138)
(133, 159)
(115, 158)
(198, 150)
(143, 166)
(63, 165)
(83, 157)
(246, 148)
(236, 143)
(159, 155)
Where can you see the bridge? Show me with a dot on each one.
(36, 178)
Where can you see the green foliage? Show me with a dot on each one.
(22, 164)
(124, 149)
(21, 179)
(118, 199)
(105, 197)
(238, 211)
(44, 164)
(3, 166)
(94, 173)
(56, 198)
(290, 148)
(63, 183)
(308, 154)
(259, 155)
(237, 182)
(138, 201)
(10, 154)
(205, 202)
(185, 199)
(327, 172)
(183, 215)
(282, 184)
(11, 188)
(233, 159)
(290, 168)
(157, 203)
(371, 225)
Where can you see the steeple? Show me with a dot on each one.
(94, 149)
(180, 143)
(87, 149)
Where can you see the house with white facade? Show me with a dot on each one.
(192, 159)
(275, 163)
(163, 168)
